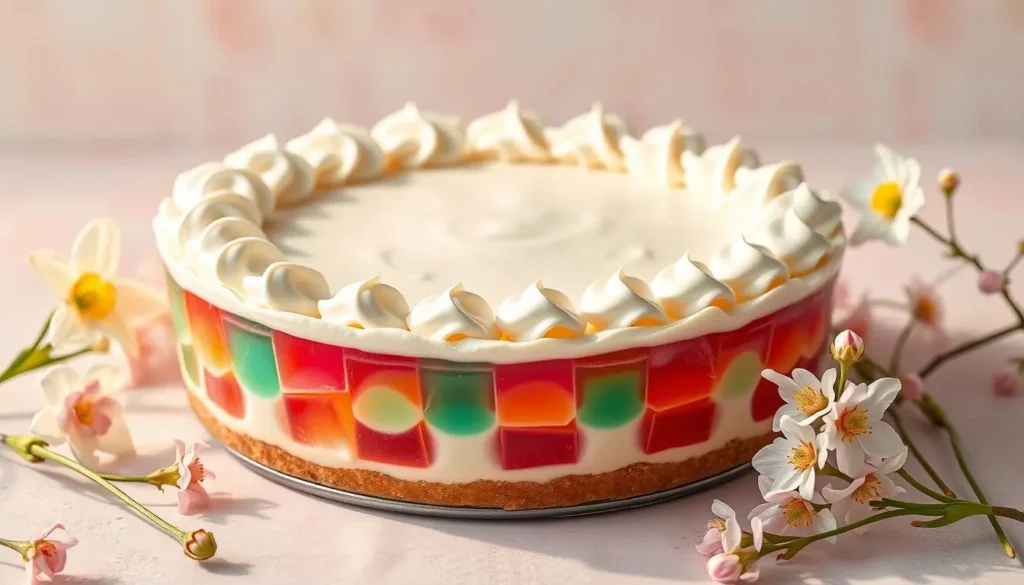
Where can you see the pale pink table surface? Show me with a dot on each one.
(269, 534)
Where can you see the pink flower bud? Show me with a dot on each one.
(913, 386)
(848, 347)
(725, 568)
(990, 282)
(1004, 382)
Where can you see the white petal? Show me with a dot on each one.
(821, 446)
(882, 441)
(804, 378)
(787, 387)
(771, 459)
(757, 528)
(849, 457)
(761, 510)
(807, 485)
(828, 384)
(68, 332)
(787, 481)
(117, 440)
(910, 178)
(858, 194)
(58, 382)
(110, 376)
(136, 301)
(870, 226)
(55, 270)
(764, 485)
(888, 160)
(894, 463)
(118, 330)
(898, 232)
(732, 536)
(45, 426)
(84, 450)
(789, 410)
(793, 429)
(722, 510)
(825, 522)
(97, 248)
(833, 495)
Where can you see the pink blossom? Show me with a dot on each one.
(848, 347)
(1004, 382)
(192, 497)
(157, 359)
(48, 556)
(725, 568)
(926, 306)
(913, 386)
(858, 319)
(990, 282)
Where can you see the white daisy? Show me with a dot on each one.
(95, 304)
(853, 503)
(807, 398)
(854, 427)
(723, 529)
(791, 461)
(83, 412)
(791, 514)
(887, 200)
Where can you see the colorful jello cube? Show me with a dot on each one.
(740, 359)
(681, 373)
(539, 394)
(788, 338)
(225, 392)
(458, 397)
(177, 302)
(684, 425)
(610, 388)
(189, 365)
(207, 333)
(320, 418)
(308, 365)
(411, 448)
(765, 401)
(819, 312)
(523, 448)
(252, 354)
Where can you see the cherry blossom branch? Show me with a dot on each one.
(912, 446)
(901, 342)
(954, 440)
(953, 352)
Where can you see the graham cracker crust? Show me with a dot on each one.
(633, 480)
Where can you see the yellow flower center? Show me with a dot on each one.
(717, 523)
(798, 513)
(887, 199)
(870, 491)
(852, 423)
(810, 401)
(84, 412)
(93, 297)
(804, 456)
(925, 309)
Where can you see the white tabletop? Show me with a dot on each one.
(270, 534)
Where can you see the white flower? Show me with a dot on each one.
(887, 200)
(807, 398)
(854, 428)
(735, 563)
(791, 461)
(723, 528)
(853, 503)
(83, 412)
(791, 514)
(94, 303)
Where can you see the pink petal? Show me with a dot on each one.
(192, 500)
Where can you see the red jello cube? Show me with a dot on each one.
(766, 401)
(323, 419)
(680, 373)
(754, 338)
(535, 394)
(207, 332)
(684, 425)
(818, 315)
(788, 338)
(308, 365)
(225, 392)
(523, 448)
(409, 449)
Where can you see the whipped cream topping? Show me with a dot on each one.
(339, 153)
(453, 315)
(621, 301)
(289, 287)
(539, 312)
(206, 248)
(214, 178)
(793, 242)
(749, 269)
(714, 171)
(240, 265)
(411, 137)
(288, 175)
(770, 180)
(687, 286)
(821, 214)
(191, 226)
(511, 134)
(657, 157)
(590, 140)
(367, 304)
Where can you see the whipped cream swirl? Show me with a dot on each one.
(289, 287)
(539, 312)
(590, 140)
(367, 304)
(339, 153)
(214, 178)
(821, 214)
(714, 170)
(750, 270)
(512, 134)
(411, 137)
(621, 301)
(240, 264)
(453, 315)
(770, 181)
(791, 240)
(288, 175)
(218, 206)
(656, 157)
(687, 286)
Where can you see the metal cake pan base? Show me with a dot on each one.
(346, 497)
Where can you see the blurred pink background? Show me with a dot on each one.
(190, 73)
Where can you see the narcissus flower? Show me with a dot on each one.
(887, 200)
(94, 303)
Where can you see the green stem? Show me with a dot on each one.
(800, 543)
(954, 440)
(19, 546)
(13, 369)
(923, 488)
(898, 422)
(901, 342)
(844, 372)
(1013, 264)
(25, 365)
(966, 347)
